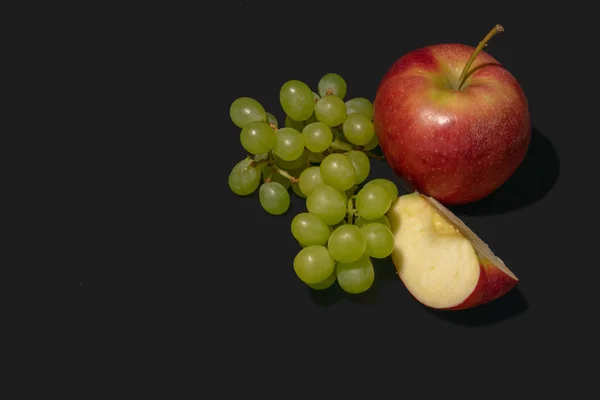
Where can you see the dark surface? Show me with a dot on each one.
(168, 271)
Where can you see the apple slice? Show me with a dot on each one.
(442, 262)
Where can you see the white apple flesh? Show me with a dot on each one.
(440, 260)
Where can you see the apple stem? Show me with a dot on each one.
(463, 76)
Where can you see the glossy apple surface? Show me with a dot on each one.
(456, 145)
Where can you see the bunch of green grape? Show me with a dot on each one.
(322, 155)
(316, 125)
(344, 227)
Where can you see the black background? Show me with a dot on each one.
(160, 269)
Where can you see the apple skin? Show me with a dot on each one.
(457, 146)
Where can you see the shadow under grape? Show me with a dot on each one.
(385, 272)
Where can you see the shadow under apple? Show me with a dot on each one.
(534, 178)
(508, 306)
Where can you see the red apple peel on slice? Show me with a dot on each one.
(440, 260)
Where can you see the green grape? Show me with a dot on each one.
(285, 182)
(347, 243)
(313, 264)
(244, 178)
(356, 277)
(327, 203)
(316, 97)
(317, 137)
(360, 105)
(267, 172)
(293, 164)
(282, 180)
(358, 129)
(290, 123)
(309, 179)
(296, 189)
(380, 240)
(311, 119)
(297, 100)
(361, 163)
(338, 134)
(360, 222)
(387, 185)
(308, 230)
(271, 120)
(290, 144)
(332, 84)
(324, 284)
(372, 201)
(274, 198)
(258, 137)
(337, 171)
(374, 142)
(314, 157)
(331, 110)
(246, 109)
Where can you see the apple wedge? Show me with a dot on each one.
(443, 263)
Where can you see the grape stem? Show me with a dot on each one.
(350, 208)
(281, 172)
(255, 164)
(340, 146)
(271, 161)
(373, 155)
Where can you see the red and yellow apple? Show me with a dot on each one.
(452, 121)
(440, 260)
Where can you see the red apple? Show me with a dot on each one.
(454, 139)
(440, 260)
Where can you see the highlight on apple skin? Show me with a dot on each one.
(440, 260)
(457, 142)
